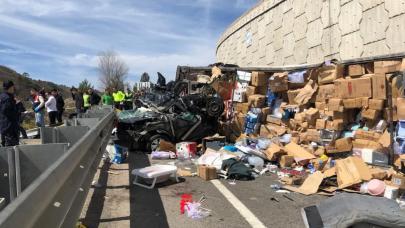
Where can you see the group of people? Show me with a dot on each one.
(87, 99)
(12, 111)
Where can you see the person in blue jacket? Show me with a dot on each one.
(9, 119)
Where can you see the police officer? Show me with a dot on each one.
(9, 125)
(129, 98)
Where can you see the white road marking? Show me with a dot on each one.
(238, 205)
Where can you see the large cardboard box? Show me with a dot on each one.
(344, 144)
(298, 152)
(369, 135)
(325, 92)
(370, 114)
(257, 100)
(401, 108)
(335, 104)
(352, 103)
(260, 78)
(327, 74)
(272, 129)
(265, 112)
(356, 70)
(239, 95)
(242, 107)
(379, 86)
(292, 94)
(311, 115)
(311, 135)
(207, 172)
(261, 90)
(366, 144)
(286, 161)
(274, 120)
(376, 104)
(353, 87)
(279, 82)
(387, 66)
(320, 105)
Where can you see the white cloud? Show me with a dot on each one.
(37, 7)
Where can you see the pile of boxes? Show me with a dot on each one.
(331, 118)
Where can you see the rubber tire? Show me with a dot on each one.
(153, 138)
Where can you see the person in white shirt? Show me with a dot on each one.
(51, 108)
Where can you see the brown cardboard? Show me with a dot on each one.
(401, 108)
(292, 94)
(274, 120)
(242, 107)
(272, 129)
(306, 93)
(279, 82)
(261, 90)
(387, 66)
(320, 105)
(250, 90)
(378, 173)
(260, 78)
(207, 172)
(257, 100)
(265, 112)
(356, 70)
(369, 135)
(320, 124)
(335, 104)
(310, 185)
(363, 101)
(353, 88)
(329, 125)
(240, 118)
(350, 171)
(311, 135)
(370, 114)
(330, 172)
(325, 92)
(327, 74)
(298, 152)
(376, 104)
(299, 117)
(352, 103)
(166, 146)
(274, 152)
(398, 181)
(385, 139)
(344, 144)
(379, 86)
(286, 161)
(366, 144)
(338, 125)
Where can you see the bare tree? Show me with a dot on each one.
(113, 70)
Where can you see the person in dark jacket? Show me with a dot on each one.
(9, 125)
(21, 114)
(78, 98)
(60, 105)
(94, 97)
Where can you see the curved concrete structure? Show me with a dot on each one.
(288, 32)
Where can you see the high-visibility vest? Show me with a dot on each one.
(118, 96)
(86, 100)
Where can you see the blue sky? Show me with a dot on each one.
(59, 40)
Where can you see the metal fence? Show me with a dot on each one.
(46, 185)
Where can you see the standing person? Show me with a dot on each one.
(60, 105)
(38, 105)
(94, 98)
(129, 100)
(78, 98)
(51, 108)
(119, 97)
(86, 101)
(21, 114)
(9, 126)
(107, 99)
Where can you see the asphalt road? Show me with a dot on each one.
(117, 203)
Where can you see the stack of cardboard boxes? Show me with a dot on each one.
(338, 111)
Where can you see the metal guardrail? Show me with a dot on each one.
(46, 185)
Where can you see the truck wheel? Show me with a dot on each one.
(154, 141)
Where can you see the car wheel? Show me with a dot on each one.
(154, 142)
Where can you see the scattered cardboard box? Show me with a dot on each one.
(298, 152)
(257, 100)
(311, 115)
(306, 93)
(376, 104)
(401, 108)
(292, 94)
(320, 105)
(335, 104)
(274, 120)
(356, 70)
(242, 107)
(369, 135)
(274, 152)
(350, 171)
(352, 103)
(250, 90)
(379, 85)
(330, 172)
(327, 74)
(385, 139)
(310, 185)
(366, 144)
(370, 114)
(320, 124)
(207, 172)
(286, 161)
(387, 66)
(338, 125)
(344, 144)
(325, 92)
(398, 180)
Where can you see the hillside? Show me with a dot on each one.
(24, 83)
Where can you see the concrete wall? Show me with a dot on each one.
(285, 32)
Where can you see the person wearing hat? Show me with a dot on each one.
(9, 120)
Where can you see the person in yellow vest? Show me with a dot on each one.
(118, 97)
(129, 99)
(86, 101)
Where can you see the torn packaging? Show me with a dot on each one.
(272, 129)
(286, 161)
(274, 152)
(279, 82)
(292, 94)
(327, 74)
(298, 152)
(310, 185)
(306, 93)
(350, 171)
